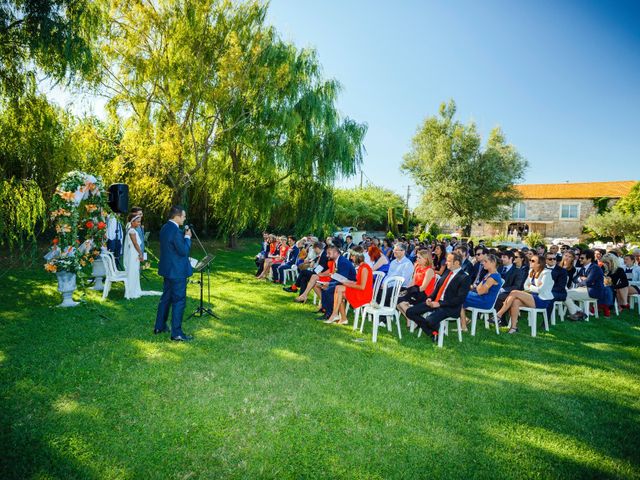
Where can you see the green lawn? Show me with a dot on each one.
(269, 392)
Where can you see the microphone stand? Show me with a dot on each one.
(201, 310)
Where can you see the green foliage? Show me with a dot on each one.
(534, 239)
(55, 36)
(365, 208)
(601, 205)
(615, 224)
(631, 202)
(462, 181)
(390, 235)
(22, 214)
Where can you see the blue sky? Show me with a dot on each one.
(562, 79)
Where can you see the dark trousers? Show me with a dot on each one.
(259, 264)
(278, 271)
(436, 315)
(327, 298)
(500, 300)
(174, 296)
(115, 247)
(303, 279)
(413, 295)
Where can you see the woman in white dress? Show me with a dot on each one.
(132, 256)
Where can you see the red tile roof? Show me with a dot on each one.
(544, 191)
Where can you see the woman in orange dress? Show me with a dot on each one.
(274, 253)
(357, 293)
(424, 281)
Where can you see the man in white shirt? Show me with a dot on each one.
(115, 236)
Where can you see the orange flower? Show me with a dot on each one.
(91, 259)
(101, 225)
(83, 263)
(63, 228)
(89, 224)
(50, 268)
(55, 241)
(68, 196)
(91, 207)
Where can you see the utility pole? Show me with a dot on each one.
(360, 178)
(408, 194)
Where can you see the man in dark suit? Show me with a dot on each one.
(478, 269)
(467, 266)
(175, 268)
(292, 256)
(513, 279)
(348, 244)
(590, 285)
(344, 267)
(446, 300)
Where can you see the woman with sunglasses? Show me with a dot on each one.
(538, 292)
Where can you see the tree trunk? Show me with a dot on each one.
(466, 230)
(233, 241)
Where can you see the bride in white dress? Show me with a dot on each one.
(132, 256)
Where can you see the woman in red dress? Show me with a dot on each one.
(357, 293)
(276, 248)
(424, 281)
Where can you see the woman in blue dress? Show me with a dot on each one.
(485, 293)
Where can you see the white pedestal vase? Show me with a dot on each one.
(66, 286)
(98, 272)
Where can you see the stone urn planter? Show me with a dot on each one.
(66, 286)
(98, 272)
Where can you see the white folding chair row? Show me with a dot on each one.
(533, 318)
(385, 308)
(112, 273)
(378, 277)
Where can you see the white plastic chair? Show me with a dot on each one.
(633, 301)
(533, 318)
(560, 309)
(485, 312)
(444, 329)
(377, 281)
(293, 271)
(390, 310)
(113, 274)
(586, 307)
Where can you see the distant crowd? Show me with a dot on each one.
(441, 280)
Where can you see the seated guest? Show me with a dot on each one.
(478, 269)
(282, 249)
(598, 254)
(521, 262)
(555, 250)
(537, 294)
(387, 248)
(344, 267)
(424, 281)
(446, 299)
(377, 260)
(400, 265)
(263, 253)
(568, 263)
(348, 244)
(308, 277)
(485, 293)
(467, 266)
(358, 292)
(559, 276)
(589, 285)
(616, 280)
(290, 261)
(274, 252)
(439, 259)
(632, 271)
(512, 276)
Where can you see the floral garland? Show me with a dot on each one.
(78, 211)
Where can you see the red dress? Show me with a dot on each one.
(283, 253)
(358, 298)
(331, 267)
(418, 278)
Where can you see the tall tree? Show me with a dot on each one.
(462, 181)
(366, 208)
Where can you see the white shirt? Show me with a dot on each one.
(114, 229)
(175, 223)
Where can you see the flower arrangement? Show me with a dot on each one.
(78, 210)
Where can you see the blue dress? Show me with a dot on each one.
(540, 303)
(487, 300)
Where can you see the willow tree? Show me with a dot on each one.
(463, 182)
(217, 107)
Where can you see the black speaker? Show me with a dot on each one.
(119, 197)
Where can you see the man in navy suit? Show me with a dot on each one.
(174, 266)
(344, 267)
(590, 285)
(513, 277)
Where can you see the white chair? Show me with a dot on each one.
(485, 312)
(112, 273)
(444, 329)
(390, 310)
(293, 272)
(634, 300)
(377, 281)
(533, 318)
(586, 307)
(560, 309)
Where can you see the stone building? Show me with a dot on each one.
(555, 210)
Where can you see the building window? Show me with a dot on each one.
(570, 211)
(519, 211)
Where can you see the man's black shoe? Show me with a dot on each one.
(182, 338)
(288, 289)
(157, 331)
